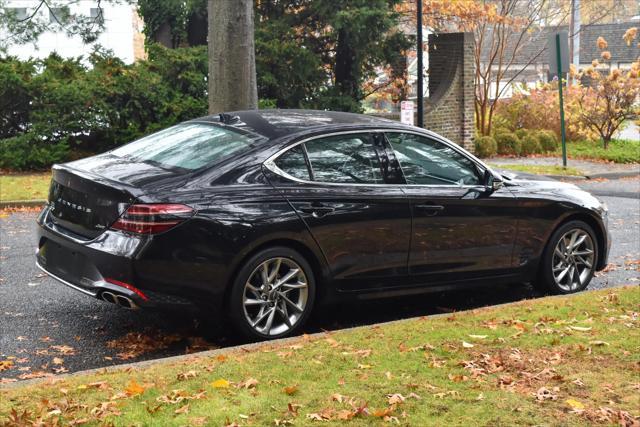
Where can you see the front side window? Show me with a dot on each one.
(349, 158)
(426, 161)
(186, 147)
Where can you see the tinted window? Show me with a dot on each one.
(344, 159)
(187, 146)
(293, 163)
(426, 161)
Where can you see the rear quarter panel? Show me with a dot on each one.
(202, 255)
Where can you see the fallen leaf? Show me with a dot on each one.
(221, 383)
(182, 410)
(345, 414)
(197, 421)
(248, 383)
(381, 413)
(575, 404)
(599, 343)
(58, 361)
(478, 337)
(394, 399)
(581, 328)
(133, 388)
(5, 364)
(290, 390)
(544, 393)
(337, 397)
(187, 375)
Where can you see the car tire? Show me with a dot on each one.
(569, 259)
(275, 308)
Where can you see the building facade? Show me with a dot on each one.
(122, 29)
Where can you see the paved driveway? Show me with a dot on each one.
(47, 328)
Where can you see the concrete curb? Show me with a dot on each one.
(614, 175)
(577, 178)
(21, 203)
(242, 347)
(607, 175)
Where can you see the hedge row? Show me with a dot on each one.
(54, 109)
(519, 143)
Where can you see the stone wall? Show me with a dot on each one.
(449, 108)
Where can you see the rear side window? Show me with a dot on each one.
(345, 159)
(187, 147)
(293, 163)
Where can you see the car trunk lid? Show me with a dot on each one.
(87, 196)
(85, 204)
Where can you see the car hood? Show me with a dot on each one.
(524, 184)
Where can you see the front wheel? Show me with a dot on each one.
(569, 259)
(272, 295)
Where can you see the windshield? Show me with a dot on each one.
(188, 146)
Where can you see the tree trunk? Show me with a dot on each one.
(346, 74)
(232, 62)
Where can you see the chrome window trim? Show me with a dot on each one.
(271, 165)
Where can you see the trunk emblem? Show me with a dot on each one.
(75, 206)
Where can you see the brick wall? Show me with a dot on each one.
(449, 108)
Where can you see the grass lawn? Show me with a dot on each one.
(28, 186)
(541, 169)
(619, 151)
(551, 361)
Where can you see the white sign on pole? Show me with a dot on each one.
(406, 112)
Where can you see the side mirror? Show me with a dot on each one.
(493, 181)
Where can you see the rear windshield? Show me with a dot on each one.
(187, 147)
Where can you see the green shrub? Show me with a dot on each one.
(508, 144)
(548, 140)
(530, 145)
(20, 153)
(485, 146)
(521, 133)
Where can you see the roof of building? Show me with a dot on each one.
(534, 51)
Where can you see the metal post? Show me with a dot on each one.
(420, 68)
(562, 132)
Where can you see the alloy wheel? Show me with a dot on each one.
(573, 259)
(275, 296)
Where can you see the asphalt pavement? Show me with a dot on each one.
(47, 328)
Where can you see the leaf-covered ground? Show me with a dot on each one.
(551, 361)
(28, 186)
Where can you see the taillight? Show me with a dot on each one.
(152, 218)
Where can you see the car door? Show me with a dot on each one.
(338, 186)
(460, 229)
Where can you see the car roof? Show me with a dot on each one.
(276, 123)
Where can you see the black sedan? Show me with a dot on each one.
(260, 215)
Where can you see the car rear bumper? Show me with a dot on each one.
(102, 268)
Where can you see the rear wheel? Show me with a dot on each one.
(272, 295)
(569, 259)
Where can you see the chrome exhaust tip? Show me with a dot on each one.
(125, 302)
(109, 297)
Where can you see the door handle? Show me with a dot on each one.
(430, 209)
(316, 209)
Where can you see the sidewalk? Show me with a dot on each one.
(589, 168)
